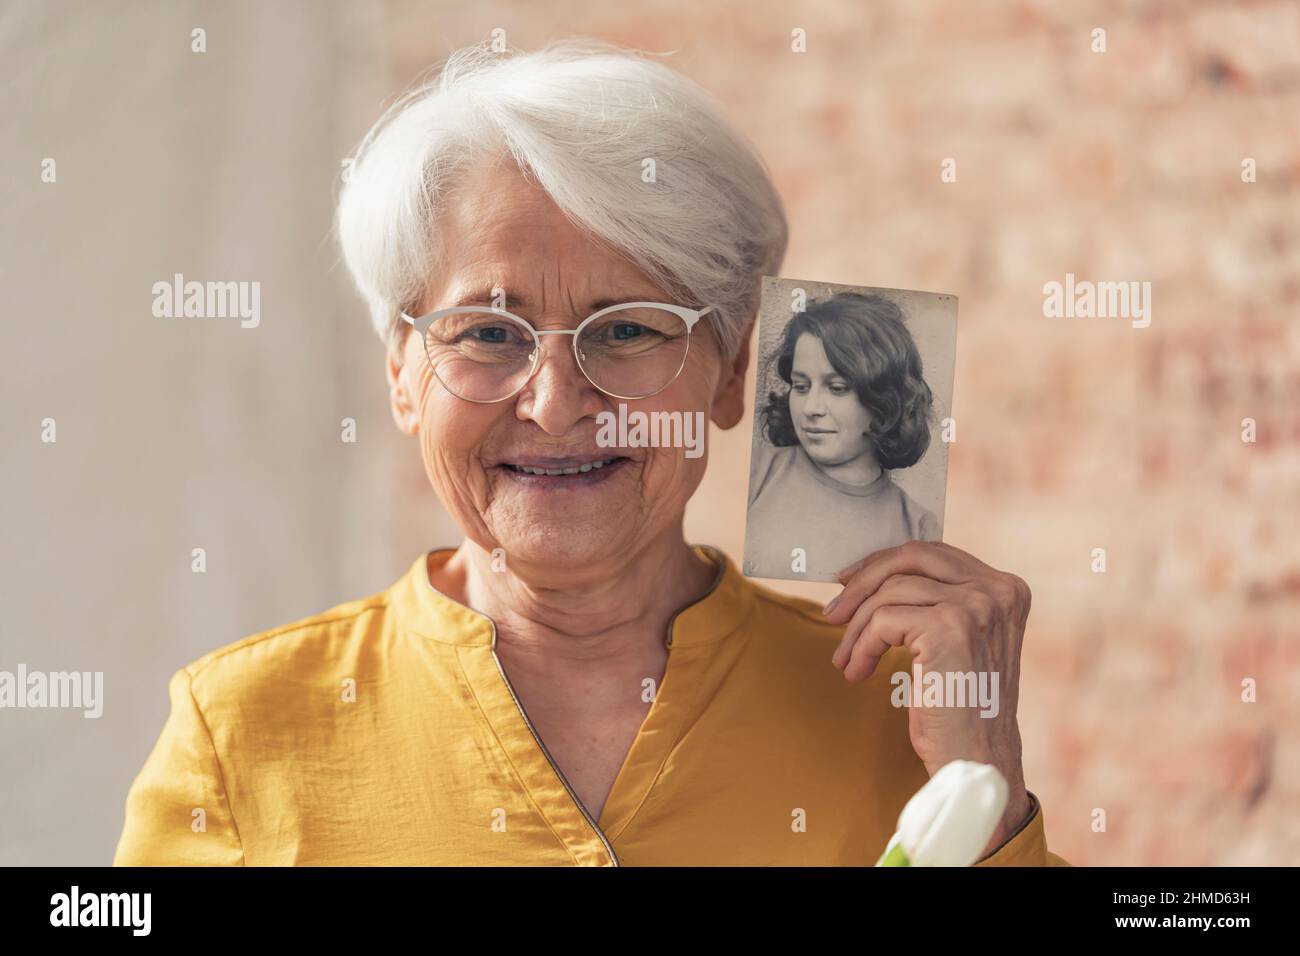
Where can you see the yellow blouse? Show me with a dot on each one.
(383, 731)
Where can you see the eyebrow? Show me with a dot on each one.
(826, 377)
(484, 296)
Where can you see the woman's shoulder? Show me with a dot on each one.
(303, 648)
(922, 523)
(766, 463)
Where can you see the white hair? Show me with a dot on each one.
(580, 117)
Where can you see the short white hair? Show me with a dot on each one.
(581, 117)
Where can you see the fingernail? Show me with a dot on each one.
(831, 606)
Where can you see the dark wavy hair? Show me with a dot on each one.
(867, 342)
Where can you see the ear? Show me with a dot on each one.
(404, 405)
(729, 401)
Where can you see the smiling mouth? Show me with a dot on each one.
(567, 470)
(560, 469)
(819, 431)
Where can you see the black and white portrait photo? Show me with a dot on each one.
(853, 387)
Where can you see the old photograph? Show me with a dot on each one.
(853, 392)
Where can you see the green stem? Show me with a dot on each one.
(894, 856)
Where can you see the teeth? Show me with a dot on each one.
(530, 470)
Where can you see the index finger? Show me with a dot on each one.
(927, 558)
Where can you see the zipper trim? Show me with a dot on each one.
(546, 753)
(717, 579)
(668, 641)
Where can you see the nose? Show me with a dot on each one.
(813, 404)
(558, 395)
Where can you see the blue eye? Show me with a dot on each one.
(626, 330)
(491, 333)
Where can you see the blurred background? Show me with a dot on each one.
(1072, 434)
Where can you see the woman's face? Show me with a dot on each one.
(507, 234)
(828, 419)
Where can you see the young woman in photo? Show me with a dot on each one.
(856, 409)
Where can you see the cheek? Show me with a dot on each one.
(850, 411)
(668, 481)
(670, 477)
(451, 432)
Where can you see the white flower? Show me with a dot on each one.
(951, 819)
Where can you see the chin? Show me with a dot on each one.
(829, 457)
(820, 457)
(565, 545)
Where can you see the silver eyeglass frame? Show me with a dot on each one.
(687, 315)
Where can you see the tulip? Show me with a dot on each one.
(951, 819)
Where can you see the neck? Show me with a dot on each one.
(861, 471)
(620, 611)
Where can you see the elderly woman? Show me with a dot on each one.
(540, 238)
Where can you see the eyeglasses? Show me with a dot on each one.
(630, 350)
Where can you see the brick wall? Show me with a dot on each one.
(1073, 434)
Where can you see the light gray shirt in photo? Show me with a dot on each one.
(794, 504)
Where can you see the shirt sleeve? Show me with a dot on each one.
(1027, 846)
(177, 810)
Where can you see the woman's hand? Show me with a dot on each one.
(956, 615)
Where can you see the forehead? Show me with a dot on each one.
(501, 230)
(810, 356)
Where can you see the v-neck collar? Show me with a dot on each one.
(429, 612)
(699, 657)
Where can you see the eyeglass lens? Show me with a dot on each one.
(488, 356)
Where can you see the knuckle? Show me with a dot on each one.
(871, 629)
(983, 609)
(881, 620)
(895, 581)
(864, 613)
(1019, 594)
(1025, 592)
(911, 549)
(1004, 591)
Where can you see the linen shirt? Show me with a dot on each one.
(384, 731)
